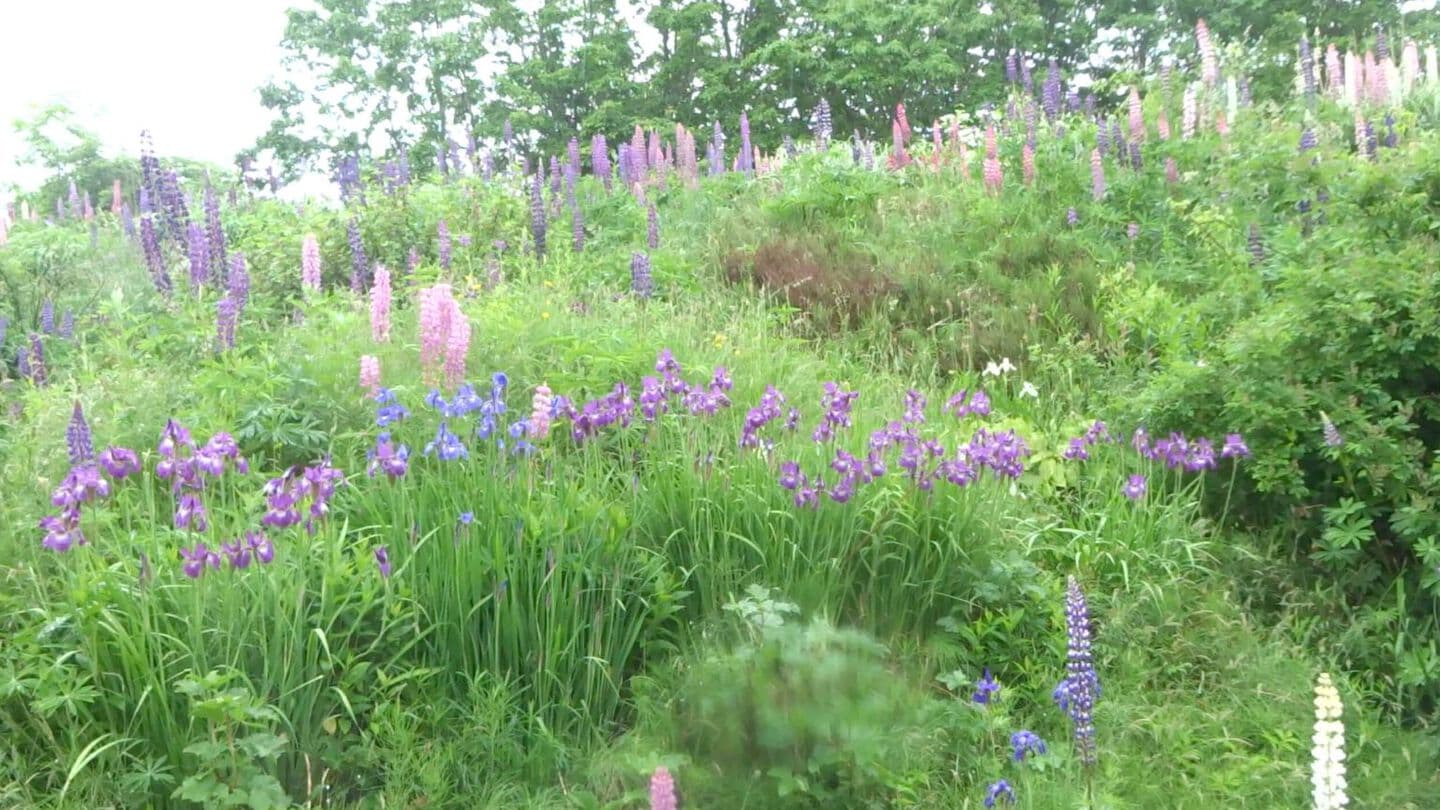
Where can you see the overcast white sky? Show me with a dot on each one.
(187, 70)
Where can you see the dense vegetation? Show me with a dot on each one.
(1043, 457)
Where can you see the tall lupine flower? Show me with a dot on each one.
(1327, 765)
(1189, 113)
(1027, 164)
(1307, 140)
(1050, 91)
(47, 317)
(443, 236)
(600, 160)
(641, 282)
(360, 264)
(1081, 688)
(1334, 77)
(1328, 429)
(199, 250)
(117, 197)
(652, 228)
(1097, 175)
(77, 438)
(86, 209)
(370, 373)
(541, 410)
(214, 231)
(4, 328)
(662, 790)
(577, 224)
(310, 263)
(823, 128)
(227, 312)
(746, 150)
(1306, 66)
(1409, 65)
(903, 121)
(127, 220)
(1162, 124)
(154, 256)
(73, 202)
(1382, 44)
(1072, 217)
(537, 215)
(1137, 117)
(436, 309)
(239, 282)
(994, 178)
(898, 157)
(1209, 68)
(380, 305)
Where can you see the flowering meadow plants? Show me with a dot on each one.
(417, 501)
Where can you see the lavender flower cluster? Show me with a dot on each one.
(84, 483)
(923, 460)
(288, 493)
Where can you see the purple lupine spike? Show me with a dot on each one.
(67, 326)
(73, 202)
(22, 363)
(600, 160)
(360, 264)
(622, 165)
(226, 315)
(149, 167)
(555, 175)
(747, 155)
(717, 166)
(1080, 689)
(487, 166)
(199, 252)
(1382, 45)
(37, 372)
(1307, 140)
(239, 282)
(4, 327)
(507, 134)
(1012, 68)
(641, 282)
(572, 168)
(1026, 80)
(154, 257)
(77, 438)
(824, 128)
(47, 317)
(652, 228)
(1307, 68)
(537, 215)
(1050, 93)
(127, 220)
(472, 153)
(1392, 140)
(443, 235)
(172, 206)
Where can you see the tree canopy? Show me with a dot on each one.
(369, 78)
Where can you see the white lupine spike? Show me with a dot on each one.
(1327, 769)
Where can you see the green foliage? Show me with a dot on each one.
(811, 710)
(236, 748)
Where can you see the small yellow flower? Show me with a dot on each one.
(545, 316)
(719, 340)
(548, 283)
